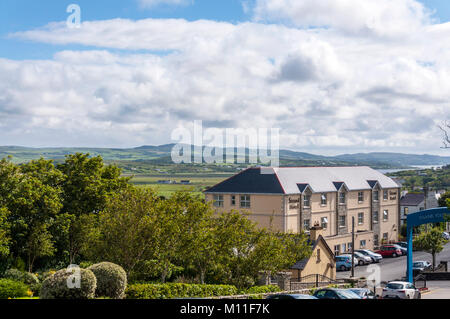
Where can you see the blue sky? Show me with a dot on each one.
(22, 15)
(374, 77)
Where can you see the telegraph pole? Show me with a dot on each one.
(353, 246)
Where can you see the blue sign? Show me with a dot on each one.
(435, 215)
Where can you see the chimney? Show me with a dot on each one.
(315, 232)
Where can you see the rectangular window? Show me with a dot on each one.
(318, 255)
(375, 195)
(406, 210)
(360, 218)
(245, 201)
(306, 200)
(349, 247)
(342, 221)
(344, 248)
(385, 215)
(233, 200)
(341, 198)
(362, 244)
(385, 236)
(337, 250)
(218, 200)
(375, 240)
(375, 217)
(385, 195)
(361, 197)
(324, 222)
(323, 199)
(306, 224)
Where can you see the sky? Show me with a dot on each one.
(336, 76)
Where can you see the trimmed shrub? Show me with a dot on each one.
(13, 289)
(111, 280)
(22, 276)
(56, 286)
(172, 290)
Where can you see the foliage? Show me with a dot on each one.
(171, 290)
(56, 286)
(111, 280)
(430, 241)
(25, 277)
(262, 289)
(13, 289)
(4, 232)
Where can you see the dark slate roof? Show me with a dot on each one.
(372, 183)
(412, 199)
(338, 185)
(250, 181)
(302, 187)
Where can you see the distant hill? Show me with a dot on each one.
(161, 155)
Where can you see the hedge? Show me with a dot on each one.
(56, 286)
(22, 276)
(111, 280)
(13, 289)
(262, 290)
(175, 290)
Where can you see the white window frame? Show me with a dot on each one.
(307, 201)
(218, 201)
(233, 200)
(385, 195)
(377, 219)
(323, 199)
(377, 197)
(245, 201)
(342, 218)
(343, 196)
(324, 221)
(306, 224)
(362, 244)
(385, 215)
(362, 221)
(360, 197)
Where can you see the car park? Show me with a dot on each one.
(364, 293)
(290, 297)
(334, 293)
(362, 259)
(376, 258)
(389, 251)
(401, 290)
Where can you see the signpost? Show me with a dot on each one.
(435, 215)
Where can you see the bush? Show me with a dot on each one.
(13, 289)
(170, 291)
(111, 280)
(25, 277)
(56, 286)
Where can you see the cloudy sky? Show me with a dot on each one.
(336, 76)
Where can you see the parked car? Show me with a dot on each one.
(419, 266)
(290, 297)
(350, 255)
(446, 235)
(389, 251)
(362, 259)
(364, 293)
(333, 293)
(401, 290)
(376, 258)
(403, 247)
(343, 263)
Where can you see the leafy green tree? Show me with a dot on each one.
(4, 232)
(443, 201)
(39, 244)
(430, 241)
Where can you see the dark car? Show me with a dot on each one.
(333, 293)
(290, 297)
(390, 251)
(364, 293)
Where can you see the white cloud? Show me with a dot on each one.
(155, 3)
(363, 17)
(328, 90)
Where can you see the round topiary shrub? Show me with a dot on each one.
(111, 280)
(25, 277)
(13, 289)
(62, 285)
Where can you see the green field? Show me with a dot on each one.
(197, 186)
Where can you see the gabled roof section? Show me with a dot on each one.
(412, 199)
(250, 181)
(301, 264)
(303, 187)
(372, 184)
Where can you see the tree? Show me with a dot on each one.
(4, 232)
(430, 241)
(445, 128)
(39, 244)
(443, 201)
(125, 233)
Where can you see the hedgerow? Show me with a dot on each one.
(176, 290)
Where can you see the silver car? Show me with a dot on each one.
(376, 258)
(362, 259)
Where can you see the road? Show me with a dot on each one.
(394, 268)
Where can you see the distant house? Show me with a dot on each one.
(322, 260)
(414, 202)
(185, 182)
